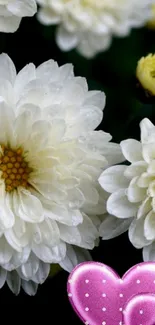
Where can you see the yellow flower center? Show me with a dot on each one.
(14, 168)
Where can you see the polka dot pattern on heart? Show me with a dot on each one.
(100, 296)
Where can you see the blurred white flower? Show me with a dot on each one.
(50, 161)
(89, 25)
(12, 11)
(132, 200)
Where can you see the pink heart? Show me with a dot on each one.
(140, 310)
(100, 297)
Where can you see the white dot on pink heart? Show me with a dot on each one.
(104, 309)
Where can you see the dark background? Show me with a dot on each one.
(113, 72)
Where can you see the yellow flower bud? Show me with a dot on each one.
(145, 73)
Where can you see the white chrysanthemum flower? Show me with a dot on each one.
(89, 25)
(132, 189)
(50, 161)
(12, 11)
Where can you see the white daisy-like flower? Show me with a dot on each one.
(12, 11)
(50, 161)
(89, 25)
(132, 187)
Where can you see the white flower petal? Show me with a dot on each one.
(28, 207)
(42, 273)
(6, 123)
(65, 40)
(22, 7)
(146, 126)
(151, 167)
(96, 98)
(47, 18)
(149, 253)
(136, 233)
(17, 236)
(132, 150)
(64, 215)
(88, 233)
(112, 152)
(148, 152)
(17, 259)
(13, 282)
(112, 227)
(70, 235)
(135, 169)
(30, 268)
(50, 254)
(89, 192)
(113, 179)
(149, 226)
(3, 275)
(9, 24)
(58, 129)
(5, 251)
(23, 78)
(7, 91)
(7, 218)
(33, 93)
(144, 180)
(134, 192)
(74, 256)
(49, 232)
(96, 140)
(119, 205)
(73, 93)
(144, 208)
(47, 71)
(29, 287)
(84, 120)
(7, 68)
(66, 72)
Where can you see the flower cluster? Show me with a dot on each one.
(50, 161)
(131, 203)
(89, 25)
(60, 185)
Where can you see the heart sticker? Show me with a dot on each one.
(100, 297)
